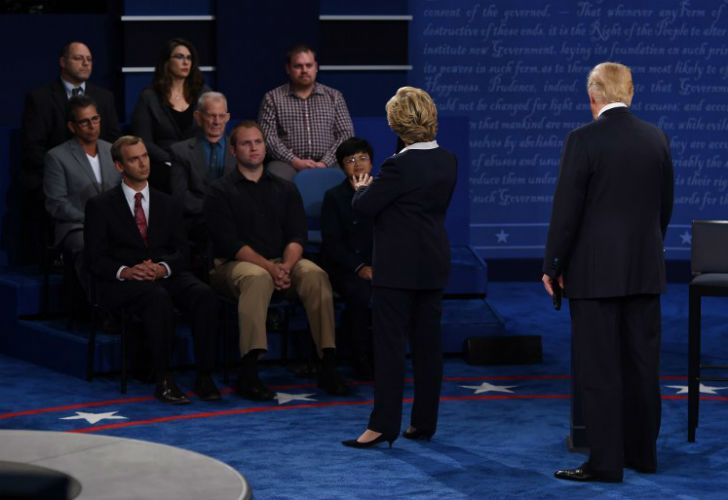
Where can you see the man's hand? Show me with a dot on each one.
(366, 273)
(160, 272)
(360, 181)
(140, 272)
(281, 276)
(301, 164)
(546, 279)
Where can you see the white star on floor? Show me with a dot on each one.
(486, 387)
(686, 238)
(704, 389)
(502, 237)
(92, 418)
(284, 398)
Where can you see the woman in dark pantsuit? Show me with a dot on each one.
(408, 201)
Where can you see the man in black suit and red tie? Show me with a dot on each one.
(611, 209)
(136, 251)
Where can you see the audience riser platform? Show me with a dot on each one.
(50, 344)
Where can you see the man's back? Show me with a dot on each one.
(612, 206)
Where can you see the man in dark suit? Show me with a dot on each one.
(200, 160)
(611, 209)
(346, 248)
(75, 171)
(136, 250)
(44, 126)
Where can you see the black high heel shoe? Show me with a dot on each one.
(353, 443)
(418, 434)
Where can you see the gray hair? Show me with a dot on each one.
(210, 96)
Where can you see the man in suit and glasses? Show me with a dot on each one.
(44, 126)
(136, 250)
(75, 171)
(611, 208)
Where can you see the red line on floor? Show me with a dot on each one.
(259, 409)
(75, 406)
(141, 399)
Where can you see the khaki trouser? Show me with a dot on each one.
(253, 287)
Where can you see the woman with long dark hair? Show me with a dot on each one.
(163, 114)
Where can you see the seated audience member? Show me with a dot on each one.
(75, 171)
(136, 251)
(303, 121)
(200, 160)
(163, 113)
(347, 241)
(258, 229)
(45, 126)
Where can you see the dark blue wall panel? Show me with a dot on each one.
(252, 40)
(31, 47)
(517, 70)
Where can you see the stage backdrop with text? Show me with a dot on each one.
(518, 70)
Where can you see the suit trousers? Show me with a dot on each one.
(357, 294)
(616, 348)
(154, 302)
(253, 287)
(397, 316)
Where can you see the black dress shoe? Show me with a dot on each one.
(254, 390)
(584, 474)
(353, 443)
(425, 435)
(206, 389)
(332, 383)
(168, 392)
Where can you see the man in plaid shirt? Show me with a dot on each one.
(303, 121)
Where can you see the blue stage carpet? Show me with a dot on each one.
(502, 428)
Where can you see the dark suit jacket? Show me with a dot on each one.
(347, 239)
(69, 181)
(409, 200)
(153, 121)
(112, 239)
(612, 204)
(44, 125)
(190, 178)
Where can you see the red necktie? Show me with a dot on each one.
(139, 217)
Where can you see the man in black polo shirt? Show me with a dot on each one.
(258, 228)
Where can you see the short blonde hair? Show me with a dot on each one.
(610, 82)
(412, 115)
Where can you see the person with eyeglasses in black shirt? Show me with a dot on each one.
(347, 241)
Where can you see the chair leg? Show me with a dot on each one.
(124, 345)
(91, 347)
(227, 325)
(694, 312)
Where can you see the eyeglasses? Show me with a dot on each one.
(354, 159)
(87, 122)
(182, 57)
